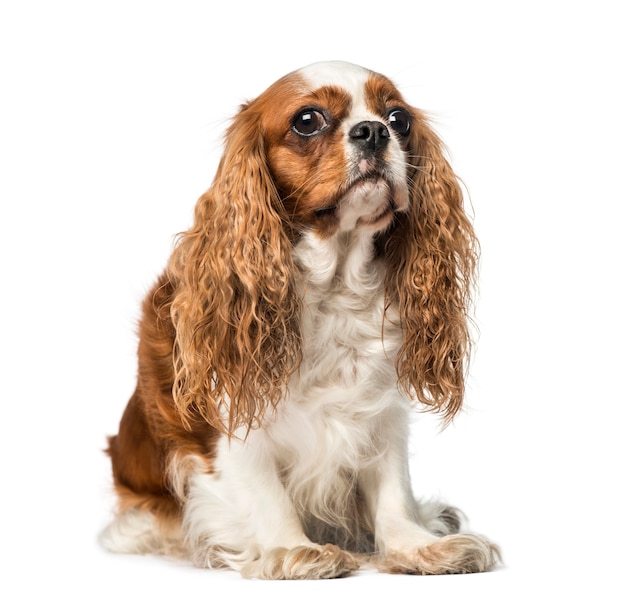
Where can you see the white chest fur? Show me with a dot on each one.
(344, 403)
(349, 344)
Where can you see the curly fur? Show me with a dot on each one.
(432, 256)
(235, 309)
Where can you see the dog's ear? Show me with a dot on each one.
(235, 309)
(432, 255)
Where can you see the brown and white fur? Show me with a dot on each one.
(322, 290)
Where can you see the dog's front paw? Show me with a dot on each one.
(327, 561)
(454, 554)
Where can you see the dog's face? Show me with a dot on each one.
(337, 138)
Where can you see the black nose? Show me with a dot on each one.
(369, 136)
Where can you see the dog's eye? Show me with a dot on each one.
(400, 121)
(309, 122)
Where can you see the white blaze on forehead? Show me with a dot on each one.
(342, 74)
(348, 76)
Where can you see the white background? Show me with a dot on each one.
(111, 117)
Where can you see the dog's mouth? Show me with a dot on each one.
(370, 202)
(372, 184)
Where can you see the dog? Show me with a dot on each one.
(321, 294)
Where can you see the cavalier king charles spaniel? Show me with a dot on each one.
(322, 290)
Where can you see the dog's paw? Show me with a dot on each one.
(454, 554)
(327, 561)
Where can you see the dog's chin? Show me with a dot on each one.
(379, 221)
(371, 204)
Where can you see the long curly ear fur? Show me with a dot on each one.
(235, 307)
(433, 256)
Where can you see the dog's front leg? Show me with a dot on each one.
(240, 516)
(405, 532)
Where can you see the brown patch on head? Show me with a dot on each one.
(381, 94)
(308, 171)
